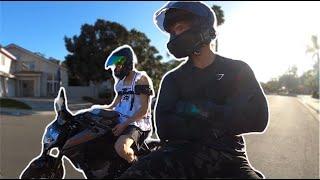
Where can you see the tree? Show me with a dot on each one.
(146, 54)
(220, 19)
(314, 49)
(307, 82)
(89, 50)
(290, 80)
(271, 86)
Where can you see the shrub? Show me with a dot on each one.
(11, 103)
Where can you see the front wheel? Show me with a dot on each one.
(35, 174)
(43, 168)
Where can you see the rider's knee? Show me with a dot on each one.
(122, 147)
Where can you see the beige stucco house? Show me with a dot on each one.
(7, 79)
(28, 74)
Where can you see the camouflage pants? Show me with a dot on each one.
(188, 161)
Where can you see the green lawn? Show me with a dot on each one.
(11, 103)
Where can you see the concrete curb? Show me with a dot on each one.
(316, 110)
(313, 111)
(308, 104)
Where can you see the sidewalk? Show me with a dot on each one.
(310, 102)
(43, 106)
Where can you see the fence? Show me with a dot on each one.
(77, 92)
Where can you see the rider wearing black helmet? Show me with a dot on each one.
(204, 106)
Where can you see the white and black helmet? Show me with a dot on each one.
(203, 28)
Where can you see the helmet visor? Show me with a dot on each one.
(115, 60)
(194, 7)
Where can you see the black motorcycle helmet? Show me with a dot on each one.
(202, 31)
(122, 58)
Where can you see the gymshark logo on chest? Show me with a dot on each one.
(219, 76)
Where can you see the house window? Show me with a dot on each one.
(56, 86)
(29, 65)
(49, 87)
(52, 84)
(3, 60)
(52, 87)
(49, 77)
(32, 66)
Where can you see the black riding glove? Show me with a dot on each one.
(200, 111)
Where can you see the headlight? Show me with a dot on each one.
(51, 136)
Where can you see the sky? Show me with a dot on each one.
(269, 36)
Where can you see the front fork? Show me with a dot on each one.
(57, 164)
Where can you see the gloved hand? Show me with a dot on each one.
(197, 109)
(201, 110)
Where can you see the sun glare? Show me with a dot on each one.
(271, 36)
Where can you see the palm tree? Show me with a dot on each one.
(314, 50)
(220, 18)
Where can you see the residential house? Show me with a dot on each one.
(7, 68)
(31, 74)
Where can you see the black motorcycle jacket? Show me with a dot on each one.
(230, 94)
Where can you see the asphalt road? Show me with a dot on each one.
(288, 149)
(21, 142)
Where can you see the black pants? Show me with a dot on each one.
(136, 134)
(189, 161)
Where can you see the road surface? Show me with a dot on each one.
(290, 146)
(288, 149)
